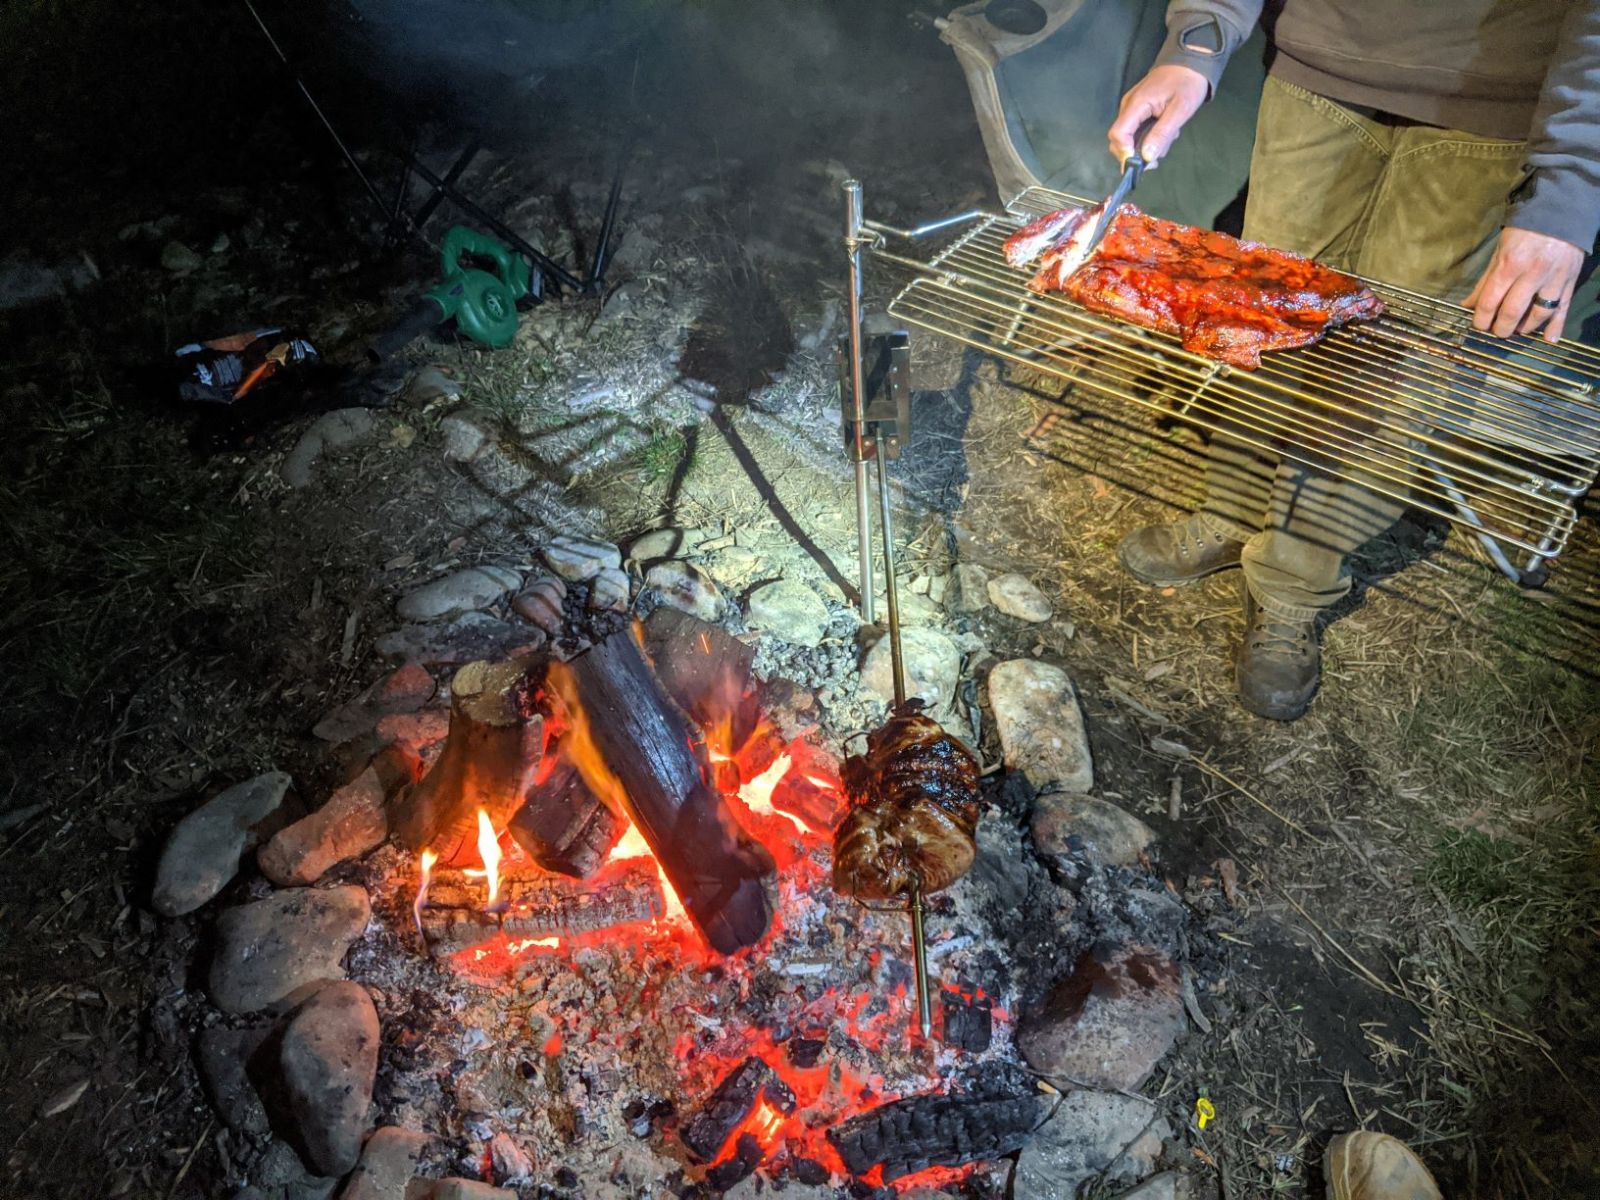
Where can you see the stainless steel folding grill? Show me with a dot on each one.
(1500, 436)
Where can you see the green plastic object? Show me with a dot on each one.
(482, 303)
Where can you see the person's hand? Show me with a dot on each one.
(1527, 267)
(1170, 94)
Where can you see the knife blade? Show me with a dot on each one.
(1132, 168)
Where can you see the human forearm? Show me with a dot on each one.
(1562, 196)
(1203, 34)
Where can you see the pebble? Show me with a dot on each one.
(789, 611)
(179, 259)
(223, 1056)
(1016, 596)
(352, 822)
(327, 1061)
(469, 589)
(1065, 825)
(540, 605)
(969, 589)
(1041, 726)
(430, 385)
(609, 590)
(687, 588)
(673, 542)
(465, 437)
(332, 431)
(932, 668)
(270, 950)
(1090, 1133)
(467, 638)
(576, 559)
(202, 852)
(1109, 1022)
(388, 1163)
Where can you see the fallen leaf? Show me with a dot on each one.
(1228, 872)
(1158, 670)
(64, 1099)
(1170, 748)
(402, 435)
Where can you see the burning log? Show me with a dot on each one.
(731, 1104)
(638, 750)
(538, 904)
(564, 826)
(707, 671)
(937, 1130)
(490, 757)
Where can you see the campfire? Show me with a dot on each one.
(622, 834)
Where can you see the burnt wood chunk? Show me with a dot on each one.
(747, 1156)
(538, 904)
(937, 1130)
(563, 825)
(640, 753)
(730, 1103)
(707, 671)
(490, 758)
(968, 1021)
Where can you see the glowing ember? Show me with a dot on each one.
(757, 794)
(489, 852)
(633, 845)
(428, 859)
(548, 943)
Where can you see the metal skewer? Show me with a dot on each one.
(919, 953)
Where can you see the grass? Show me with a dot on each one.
(661, 456)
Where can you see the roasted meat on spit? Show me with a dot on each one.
(1224, 298)
(914, 811)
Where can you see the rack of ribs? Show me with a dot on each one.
(1222, 297)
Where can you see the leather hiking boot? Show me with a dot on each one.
(1280, 664)
(1179, 553)
(1375, 1166)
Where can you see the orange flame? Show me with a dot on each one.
(763, 1124)
(489, 852)
(757, 793)
(428, 859)
(633, 845)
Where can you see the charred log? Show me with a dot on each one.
(747, 1156)
(968, 1021)
(706, 671)
(490, 757)
(563, 826)
(731, 1103)
(638, 750)
(937, 1130)
(538, 904)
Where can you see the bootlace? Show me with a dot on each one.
(1288, 638)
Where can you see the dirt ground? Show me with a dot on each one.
(1411, 939)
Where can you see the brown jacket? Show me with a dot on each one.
(1523, 70)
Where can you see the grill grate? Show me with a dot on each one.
(1500, 436)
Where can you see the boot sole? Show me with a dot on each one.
(1179, 581)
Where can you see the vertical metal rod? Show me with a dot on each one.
(891, 592)
(919, 950)
(858, 398)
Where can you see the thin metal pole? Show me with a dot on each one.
(858, 398)
(919, 953)
(891, 592)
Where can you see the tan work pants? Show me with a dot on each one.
(1409, 205)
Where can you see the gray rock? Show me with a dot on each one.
(468, 638)
(686, 588)
(457, 1189)
(179, 259)
(734, 566)
(468, 590)
(968, 590)
(404, 690)
(271, 950)
(388, 1163)
(465, 436)
(431, 385)
(932, 667)
(1040, 725)
(352, 822)
(1158, 1187)
(917, 610)
(1090, 1134)
(576, 559)
(789, 611)
(1016, 596)
(332, 431)
(512, 1164)
(202, 853)
(609, 590)
(1065, 825)
(327, 1060)
(223, 1056)
(1109, 1022)
(658, 544)
(283, 1172)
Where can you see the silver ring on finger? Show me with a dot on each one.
(1546, 303)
